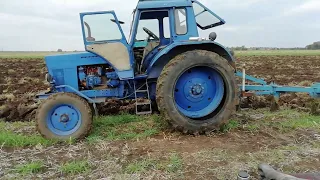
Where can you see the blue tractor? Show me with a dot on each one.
(191, 79)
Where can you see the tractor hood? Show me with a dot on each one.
(64, 61)
(63, 68)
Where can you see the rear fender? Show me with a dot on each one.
(163, 57)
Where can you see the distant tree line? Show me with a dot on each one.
(240, 48)
(315, 45)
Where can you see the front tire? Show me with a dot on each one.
(63, 116)
(196, 91)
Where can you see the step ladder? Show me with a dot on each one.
(144, 89)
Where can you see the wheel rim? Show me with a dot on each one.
(199, 91)
(64, 119)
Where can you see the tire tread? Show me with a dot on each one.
(205, 127)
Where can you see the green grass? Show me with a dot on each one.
(284, 120)
(118, 127)
(291, 120)
(278, 53)
(125, 126)
(11, 139)
(141, 166)
(253, 127)
(175, 163)
(304, 122)
(29, 168)
(171, 165)
(232, 124)
(75, 167)
(316, 144)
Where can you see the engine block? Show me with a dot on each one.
(91, 77)
(92, 81)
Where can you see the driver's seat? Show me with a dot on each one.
(150, 46)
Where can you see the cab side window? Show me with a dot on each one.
(166, 27)
(151, 24)
(180, 21)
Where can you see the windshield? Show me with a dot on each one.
(205, 18)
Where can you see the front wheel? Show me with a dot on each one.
(63, 116)
(196, 91)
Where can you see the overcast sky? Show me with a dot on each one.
(51, 24)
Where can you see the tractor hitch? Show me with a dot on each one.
(261, 87)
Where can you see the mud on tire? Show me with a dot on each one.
(166, 87)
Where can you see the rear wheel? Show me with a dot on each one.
(64, 116)
(196, 91)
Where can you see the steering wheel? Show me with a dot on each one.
(150, 33)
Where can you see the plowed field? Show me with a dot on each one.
(143, 147)
(21, 79)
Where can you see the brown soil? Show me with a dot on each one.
(283, 70)
(20, 76)
(21, 79)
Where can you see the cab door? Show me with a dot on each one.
(103, 35)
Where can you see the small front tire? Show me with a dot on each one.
(64, 116)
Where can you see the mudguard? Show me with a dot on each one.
(174, 45)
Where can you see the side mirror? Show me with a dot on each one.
(213, 36)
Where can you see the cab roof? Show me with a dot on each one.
(155, 4)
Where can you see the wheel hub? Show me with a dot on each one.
(196, 89)
(199, 91)
(64, 118)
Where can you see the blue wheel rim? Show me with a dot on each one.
(199, 91)
(64, 119)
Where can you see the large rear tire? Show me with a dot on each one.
(196, 91)
(63, 116)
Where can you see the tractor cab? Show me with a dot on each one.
(155, 25)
